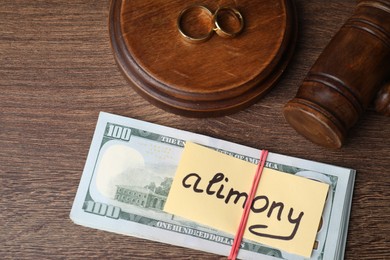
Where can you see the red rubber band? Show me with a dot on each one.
(248, 204)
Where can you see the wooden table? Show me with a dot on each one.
(57, 71)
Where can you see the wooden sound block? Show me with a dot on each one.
(212, 78)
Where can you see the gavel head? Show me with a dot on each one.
(344, 80)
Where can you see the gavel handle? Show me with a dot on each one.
(382, 100)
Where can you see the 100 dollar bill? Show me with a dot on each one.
(129, 171)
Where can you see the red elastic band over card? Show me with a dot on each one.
(245, 214)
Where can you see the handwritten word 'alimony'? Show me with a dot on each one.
(212, 188)
(260, 204)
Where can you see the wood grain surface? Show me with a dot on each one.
(57, 71)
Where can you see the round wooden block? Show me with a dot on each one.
(215, 77)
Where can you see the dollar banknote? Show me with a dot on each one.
(129, 171)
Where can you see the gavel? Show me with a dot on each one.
(352, 71)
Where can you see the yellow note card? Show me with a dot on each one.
(211, 188)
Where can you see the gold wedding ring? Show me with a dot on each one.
(190, 21)
(228, 22)
(197, 23)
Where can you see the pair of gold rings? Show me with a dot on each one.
(197, 23)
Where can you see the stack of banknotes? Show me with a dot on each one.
(129, 171)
